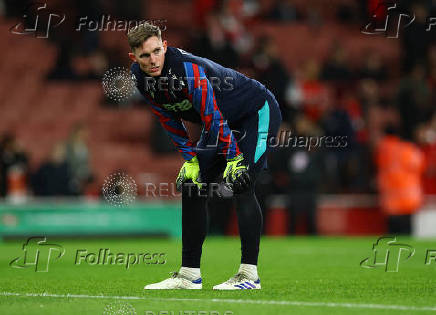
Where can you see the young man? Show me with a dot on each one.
(226, 104)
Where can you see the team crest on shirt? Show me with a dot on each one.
(179, 107)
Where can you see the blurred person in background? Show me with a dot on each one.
(337, 68)
(82, 54)
(378, 111)
(283, 11)
(231, 18)
(432, 7)
(339, 158)
(212, 43)
(224, 38)
(373, 67)
(348, 12)
(297, 172)
(270, 70)
(432, 71)
(416, 40)
(78, 159)
(414, 100)
(13, 168)
(53, 177)
(426, 137)
(307, 93)
(201, 11)
(360, 170)
(400, 167)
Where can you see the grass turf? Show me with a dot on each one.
(313, 270)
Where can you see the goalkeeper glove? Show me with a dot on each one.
(189, 171)
(236, 173)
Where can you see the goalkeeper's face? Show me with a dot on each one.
(150, 56)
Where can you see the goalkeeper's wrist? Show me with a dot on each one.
(240, 156)
(193, 160)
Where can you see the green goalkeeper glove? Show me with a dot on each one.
(189, 171)
(236, 173)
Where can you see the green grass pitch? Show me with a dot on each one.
(300, 275)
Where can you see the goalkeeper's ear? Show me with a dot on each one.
(132, 56)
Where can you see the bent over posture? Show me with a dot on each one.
(238, 117)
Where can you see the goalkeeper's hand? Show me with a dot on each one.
(189, 171)
(236, 173)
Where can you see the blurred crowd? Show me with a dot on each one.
(385, 114)
(65, 172)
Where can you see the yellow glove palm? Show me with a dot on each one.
(236, 173)
(190, 171)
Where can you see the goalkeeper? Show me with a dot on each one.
(180, 86)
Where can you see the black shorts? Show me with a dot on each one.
(254, 134)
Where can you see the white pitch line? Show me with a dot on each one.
(231, 301)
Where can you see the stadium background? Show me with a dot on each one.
(61, 137)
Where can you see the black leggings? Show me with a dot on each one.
(194, 226)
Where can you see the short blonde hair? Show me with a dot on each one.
(140, 33)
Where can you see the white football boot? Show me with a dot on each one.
(239, 282)
(175, 282)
